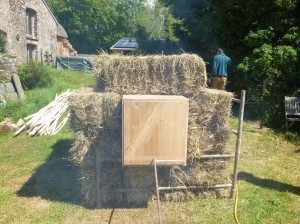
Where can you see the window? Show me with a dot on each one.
(31, 22)
(31, 52)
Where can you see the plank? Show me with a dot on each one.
(18, 86)
(154, 126)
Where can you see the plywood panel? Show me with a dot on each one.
(154, 127)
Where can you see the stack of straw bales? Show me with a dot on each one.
(96, 120)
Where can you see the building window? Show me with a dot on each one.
(31, 23)
(31, 52)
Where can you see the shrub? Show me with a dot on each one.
(2, 43)
(34, 75)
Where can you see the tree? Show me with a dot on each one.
(263, 38)
(193, 26)
(155, 31)
(94, 25)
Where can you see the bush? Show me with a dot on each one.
(34, 75)
(2, 43)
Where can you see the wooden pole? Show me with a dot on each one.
(18, 85)
(238, 143)
(217, 156)
(167, 188)
(98, 173)
(195, 187)
(157, 192)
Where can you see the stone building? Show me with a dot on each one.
(63, 45)
(30, 29)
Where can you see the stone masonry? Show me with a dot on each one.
(7, 68)
(14, 24)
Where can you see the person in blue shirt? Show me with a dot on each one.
(220, 66)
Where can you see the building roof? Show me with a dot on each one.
(127, 44)
(61, 32)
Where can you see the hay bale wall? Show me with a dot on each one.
(183, 74)
(96, 120)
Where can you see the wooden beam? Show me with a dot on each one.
(98, 180)
(18, 85)
(238, 143)
(217, 156)
(169, 188)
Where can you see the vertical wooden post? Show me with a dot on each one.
(98, 184)
(18, 85)
(157, 192)
(238, 143)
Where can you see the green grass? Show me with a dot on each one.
(39, 185)
(38, 98)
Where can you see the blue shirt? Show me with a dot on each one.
(220, 65)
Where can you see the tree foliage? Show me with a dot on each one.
(262, 38)
(192, 26)
(94, 25)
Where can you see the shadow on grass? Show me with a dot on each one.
(56, 179)
(268, 183)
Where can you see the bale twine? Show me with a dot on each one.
(183, 74)
(96, 119)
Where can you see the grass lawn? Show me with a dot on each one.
(39, 185)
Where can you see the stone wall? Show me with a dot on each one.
(13, 24)
(64, 48)
(7, 69)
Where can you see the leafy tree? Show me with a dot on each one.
(94, 25)
(192, 25)
(264, 40)
(155, 31)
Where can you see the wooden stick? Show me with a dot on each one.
(169, 188)
(217, 156)
(44, 122)
(157, 192)
(238, 143)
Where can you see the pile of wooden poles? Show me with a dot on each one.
(46, 121)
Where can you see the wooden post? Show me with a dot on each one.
(98, 184)
(238, 143)
(18, 86)
(157, 192)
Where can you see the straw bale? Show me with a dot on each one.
(184, 195)
(143, 177)
(183, 74)
(88, 177)
(90, 111)
(80, 148)
(208, 128)
(204, 173)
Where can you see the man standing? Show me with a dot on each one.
(220, 67)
